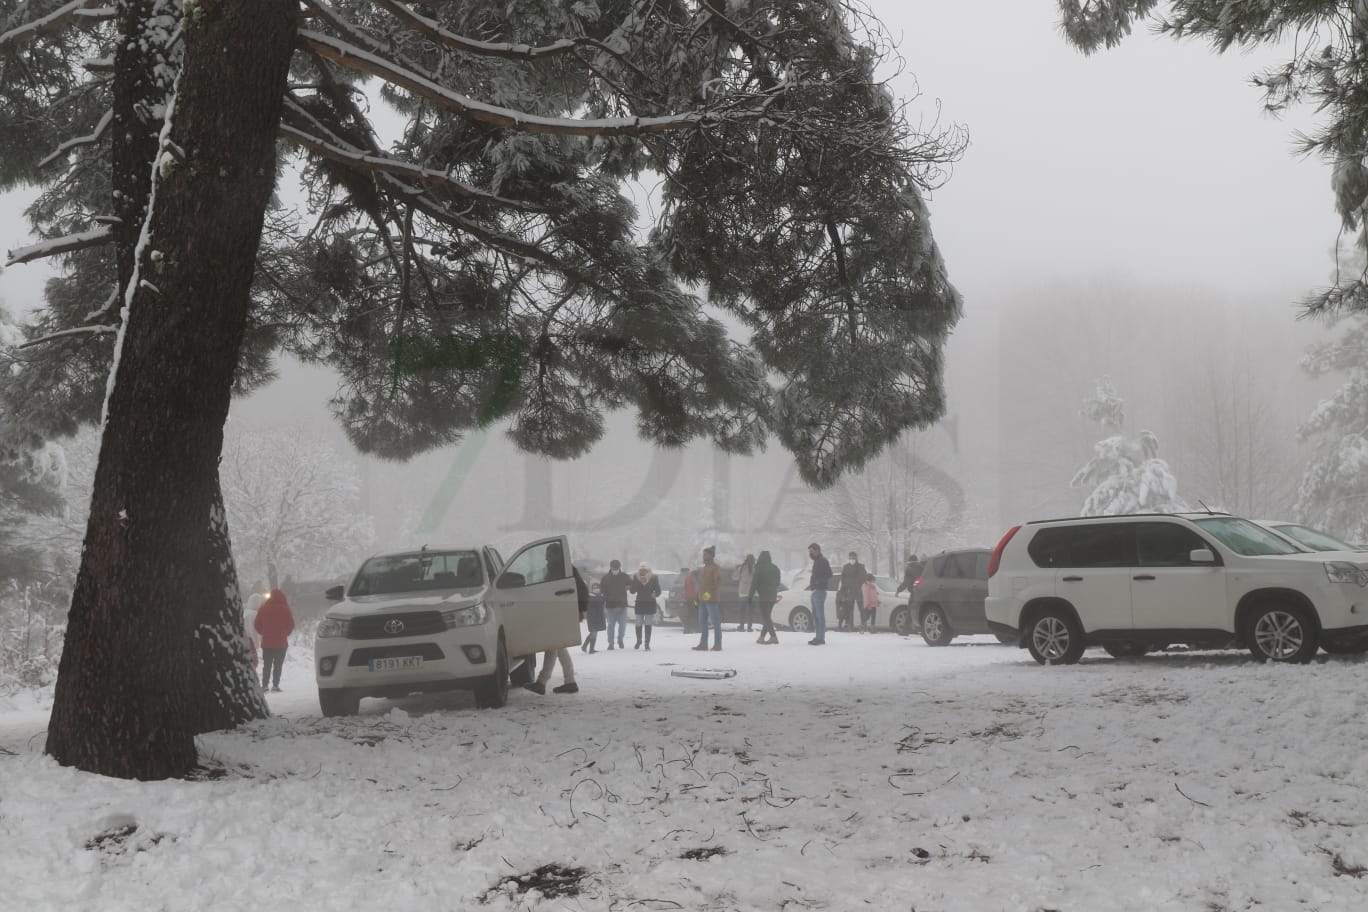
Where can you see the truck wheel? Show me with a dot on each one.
(492, 692)
(338, 701)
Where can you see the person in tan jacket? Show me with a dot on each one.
(709, 601)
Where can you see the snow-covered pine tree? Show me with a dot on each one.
(1333, 494)
(1125, 474)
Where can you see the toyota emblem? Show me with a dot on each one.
(394, 627)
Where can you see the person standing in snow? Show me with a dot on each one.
(274, 623)
(555, 569)
(249, 612)
(870, 591)
(764, 589)
(709, 601)
(743, 574)
(594, 617)
(848, 595)
(646, 587)
(817, 585)
(912, 571)
(614, 587)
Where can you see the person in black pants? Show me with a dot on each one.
(764, 589)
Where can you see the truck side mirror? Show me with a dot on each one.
(1201, 556)
(333, 594)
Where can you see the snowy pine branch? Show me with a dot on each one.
(504, 50)
(74, 331)
(89, 139)
(354, 58)
(57, 246)
(52, 22)
(340, 151)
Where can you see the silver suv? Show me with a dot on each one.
(1209, 580)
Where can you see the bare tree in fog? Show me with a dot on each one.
(900, 503)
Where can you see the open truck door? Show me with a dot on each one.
(536, 598)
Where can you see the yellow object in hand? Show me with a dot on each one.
(707, 596)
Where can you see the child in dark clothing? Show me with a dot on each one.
(596, 617)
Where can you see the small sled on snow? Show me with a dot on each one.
(713, 673)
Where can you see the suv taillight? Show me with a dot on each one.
(997, 552)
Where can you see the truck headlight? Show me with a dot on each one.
(333, 627)
(1345, 572)
(471, 616)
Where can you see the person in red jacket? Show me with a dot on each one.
(274, 623)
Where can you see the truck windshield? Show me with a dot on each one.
(420, 571)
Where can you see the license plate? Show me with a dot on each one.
(400, 663)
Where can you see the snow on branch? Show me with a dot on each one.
(89, 140)
(52, 22)
(373, 64)
(344, 153)
(74, 331)
(57, 246)
(439, 35)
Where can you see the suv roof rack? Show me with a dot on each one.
(1113, 516)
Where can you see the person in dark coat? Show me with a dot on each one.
(594, 617)
(614, 587)
(849, 596)
(646, 587)
(817, 585)
(912, 571)
(764, 589)
(274, 623)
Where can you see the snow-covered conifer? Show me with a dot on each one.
(1124, 475)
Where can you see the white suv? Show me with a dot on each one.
(444, 619)
(1135, 583)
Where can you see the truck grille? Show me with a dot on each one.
(390, 626)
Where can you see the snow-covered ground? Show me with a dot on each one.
(872, 773)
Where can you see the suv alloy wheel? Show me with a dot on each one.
(1282, 633)
(1055, 638)
(935, 628)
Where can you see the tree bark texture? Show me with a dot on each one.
(138, 97)
(226, 690)
(123, 703)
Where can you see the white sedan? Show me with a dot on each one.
(793, 608)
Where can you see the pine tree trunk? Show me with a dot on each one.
(226, 691)
(123, 703)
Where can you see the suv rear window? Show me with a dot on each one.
(961, 565)
(1084, 545)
